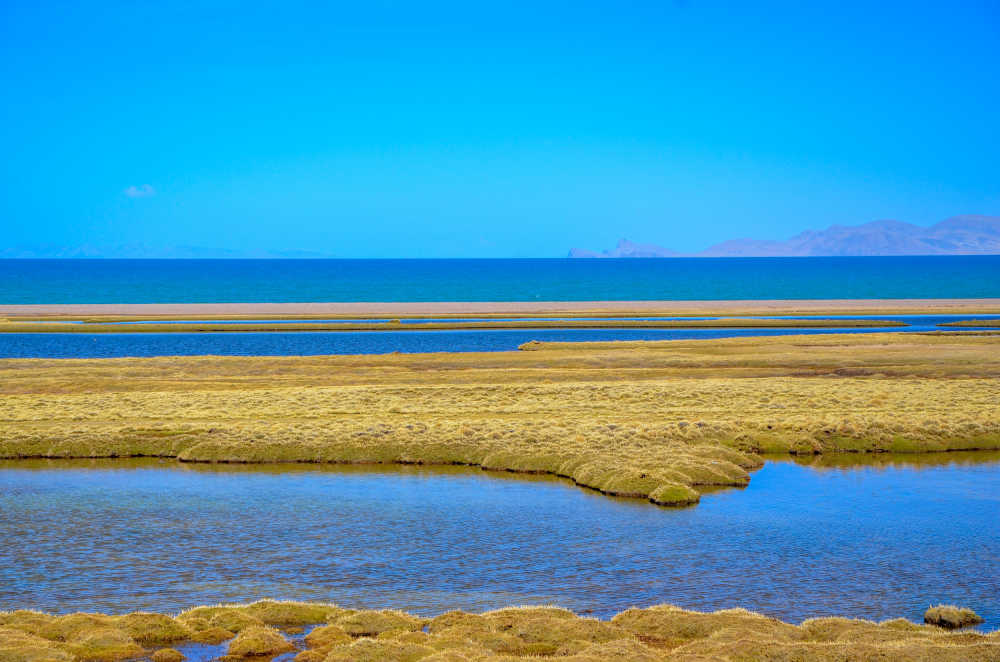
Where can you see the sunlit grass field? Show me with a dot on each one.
(654, 420)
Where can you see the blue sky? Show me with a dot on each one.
(433, 129)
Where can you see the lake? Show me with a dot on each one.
(871, 537)
(211, 281)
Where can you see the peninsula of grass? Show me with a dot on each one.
(651, 420)
(994, 323)
(660, 633)
(396, 325)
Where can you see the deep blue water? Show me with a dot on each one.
(312, 343)
(180, 281)
(877, 541)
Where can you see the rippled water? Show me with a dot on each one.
(876, 540)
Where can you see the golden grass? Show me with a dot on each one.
(167, 655)
(951, 617)
(973, 323)
(655, 420)
(259, 640)
(657, 633)
(396, 325)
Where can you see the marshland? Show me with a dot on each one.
(371, 331)
(554, 446)
(474, 332)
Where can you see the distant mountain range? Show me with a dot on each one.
(960, 235)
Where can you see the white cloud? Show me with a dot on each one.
(143, 191)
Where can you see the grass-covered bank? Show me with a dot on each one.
(654, 420)
(86, 326)
(987, 323)
(264, 629)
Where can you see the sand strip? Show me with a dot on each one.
(395, 309)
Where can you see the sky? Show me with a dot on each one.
(507, 129)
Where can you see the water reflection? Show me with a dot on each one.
(889, 460)
(869, 536)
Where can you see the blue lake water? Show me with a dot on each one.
(312, 343)
(185, 281)
(874, 537)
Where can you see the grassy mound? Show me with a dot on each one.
(657, 633)
(167, 655)
(951, 617)
(259, 640)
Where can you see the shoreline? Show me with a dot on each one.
(397, 309)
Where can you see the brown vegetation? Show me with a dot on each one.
(951, 617)
(661, 633)
(973, 323)
(259, 640)
(167, 655)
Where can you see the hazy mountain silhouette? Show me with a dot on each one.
(960, 235)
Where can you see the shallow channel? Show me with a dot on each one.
(871, 537)
(312, 343)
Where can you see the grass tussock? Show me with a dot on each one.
(167, 655)
(236, 618)
(951, 617)
(657, 633)
(257, 641)
(652, 420)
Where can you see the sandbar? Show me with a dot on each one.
(466, 308)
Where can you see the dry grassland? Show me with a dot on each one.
(655, 420)
(637, 635)
(973, 323)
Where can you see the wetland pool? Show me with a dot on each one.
(871, 537)
(313, 343)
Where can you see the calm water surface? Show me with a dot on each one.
(311, 343)
(188, 281)
(876, 540)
